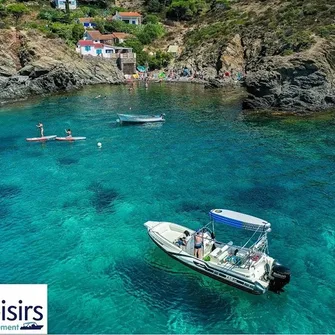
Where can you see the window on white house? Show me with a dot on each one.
(87, 48)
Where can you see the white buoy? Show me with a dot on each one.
(99, 145)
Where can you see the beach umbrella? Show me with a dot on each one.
(141, 68)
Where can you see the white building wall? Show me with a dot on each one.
(106, 52)
(60, 4)
(129, 19)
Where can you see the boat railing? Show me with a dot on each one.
(236, 256)
(261, 244)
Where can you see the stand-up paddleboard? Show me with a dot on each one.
(41, 139)
(70, 138)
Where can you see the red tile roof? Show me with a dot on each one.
(121, 35)
(95, 34)
(129, 14)
(84, 43)
(107, 37)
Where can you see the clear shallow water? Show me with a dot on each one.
(72, 214)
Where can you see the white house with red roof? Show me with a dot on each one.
(128, 17)
(97, 37)
(91, 48)
(124, 58)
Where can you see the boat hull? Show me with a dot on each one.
(219, 275)
(127, 118)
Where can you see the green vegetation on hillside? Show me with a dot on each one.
(284, 27)
(56, 23)
(290, 27)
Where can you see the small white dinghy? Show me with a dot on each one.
(247, 267)
(132, 118)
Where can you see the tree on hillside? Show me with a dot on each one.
(155, 6)
(3, 12)
(17, 10)
(185, 9)
(77, 32)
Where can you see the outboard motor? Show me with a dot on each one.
(279, 277)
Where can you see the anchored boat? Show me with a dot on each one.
(247, 267)
(132, 118)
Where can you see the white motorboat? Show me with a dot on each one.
(132, 118)
(247, 267)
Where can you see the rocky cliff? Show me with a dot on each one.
(278, 45)
(32, 64)
(304, 81)
(301, 82)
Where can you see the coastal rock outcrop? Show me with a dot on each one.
(300, 82)
(35, 65)
(212, 60)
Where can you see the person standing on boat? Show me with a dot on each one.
(198, 245)
(40, 126)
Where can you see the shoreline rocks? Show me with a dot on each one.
(300, 82)
(51, 67)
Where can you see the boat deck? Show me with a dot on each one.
(242, 261)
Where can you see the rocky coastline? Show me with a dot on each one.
(300, 83)
(35, 65)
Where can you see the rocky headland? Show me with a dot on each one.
(301, 82)
(286, 52)
(32, 64)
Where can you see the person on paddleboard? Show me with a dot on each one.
(68, 132)
(40, 126)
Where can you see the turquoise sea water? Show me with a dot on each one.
(72, 214)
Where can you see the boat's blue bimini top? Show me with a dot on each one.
(239, 220)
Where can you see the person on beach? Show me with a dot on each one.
(40, 126)
(68, 132)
